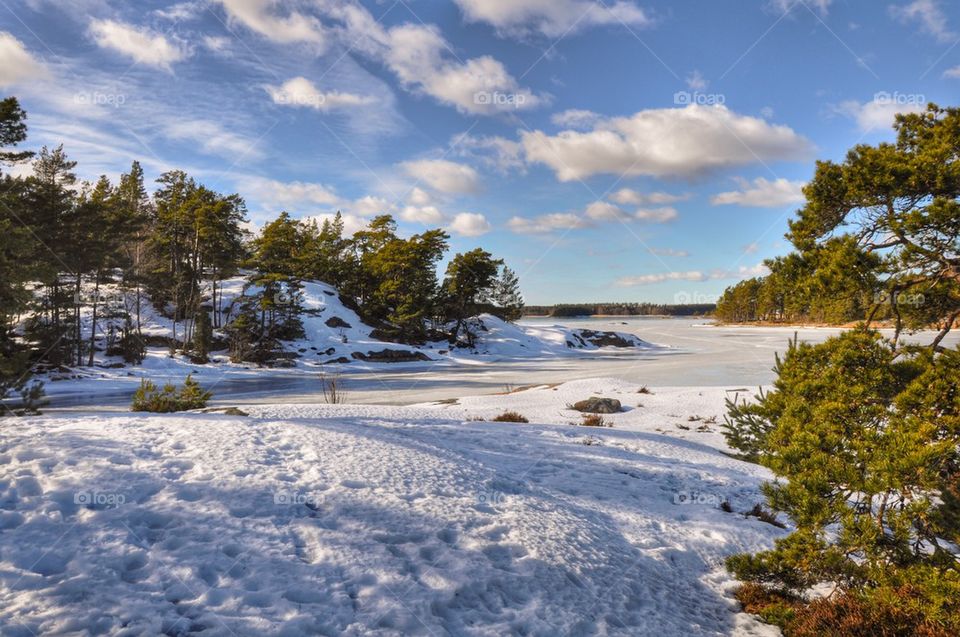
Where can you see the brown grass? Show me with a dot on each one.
(510, 416)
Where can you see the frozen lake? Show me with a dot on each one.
(695, 353)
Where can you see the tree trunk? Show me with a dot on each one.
(93, 322)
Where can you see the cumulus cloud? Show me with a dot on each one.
(656, 215)
(544, 224)
(427, 215)
(670, 142)
(140, 44)
(419, 197)
(301, 92)
(550, 18)
(443, 175)
(928, 15)
(289, 194)
(762, 193)
(259, 17)
(368, 205)
(606, 211)
(743, 272)
(576, 119)
(419, 56)
(16, 63)
(952, 73)
(696, 81)
(469, 224)
(880, 112)
(627, 197)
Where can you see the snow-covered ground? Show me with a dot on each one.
(360, 520)
(335, 341)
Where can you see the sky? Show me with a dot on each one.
(608, 150)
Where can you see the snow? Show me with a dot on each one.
(336, 346)
(363, 519)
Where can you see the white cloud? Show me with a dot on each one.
(550, 18)
(671, 142)
(928, 15)
(445, 176)
(417, 54)
(576, 119)
(604, 211)
(278, 195)
(217, 44)
(16, 63)
(751, 248)
(470, 224)
(879, 113)
(546, 223)
(656, 215)
(953, 73)
(498, 153)
(762, 193)
(258, 16)
(782, 6)
(669, 252)
(627, 197)
(138, 43)
(181, 11)
(368, 205)
(696, 81)
(351, 223)
(427, 215)
(743, 272)
(301, 92)
(419, 197)
(422, 61)
(213, 139)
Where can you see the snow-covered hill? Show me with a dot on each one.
(368, 520)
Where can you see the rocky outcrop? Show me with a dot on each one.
(596, 405)
(391, 356)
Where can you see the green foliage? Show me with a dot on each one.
(169, 399)
(866, 447)
(202, 337)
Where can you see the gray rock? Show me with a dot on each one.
(596, 405)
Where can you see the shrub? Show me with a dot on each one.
(510, 416)
(595, 420)
(865, 443)
(149, 398)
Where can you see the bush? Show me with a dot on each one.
(169, 399)
(865, 444)
(595, 420)
(510, 416)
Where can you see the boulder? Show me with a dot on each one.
(336, 321)
(391, 356)
(596, 405)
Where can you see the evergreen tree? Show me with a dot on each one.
(506, 295)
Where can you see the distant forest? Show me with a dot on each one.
(619, 309)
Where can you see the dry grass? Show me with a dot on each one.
(510, 416)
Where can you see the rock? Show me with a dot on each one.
(391, 356)
(596, 405)
(607, 339)
(336, 321)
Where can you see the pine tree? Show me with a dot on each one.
(506, 295)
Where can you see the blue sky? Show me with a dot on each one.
(608, 150)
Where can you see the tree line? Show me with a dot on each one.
(62, 240)
(620, 309)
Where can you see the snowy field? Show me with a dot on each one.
(376, 520)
